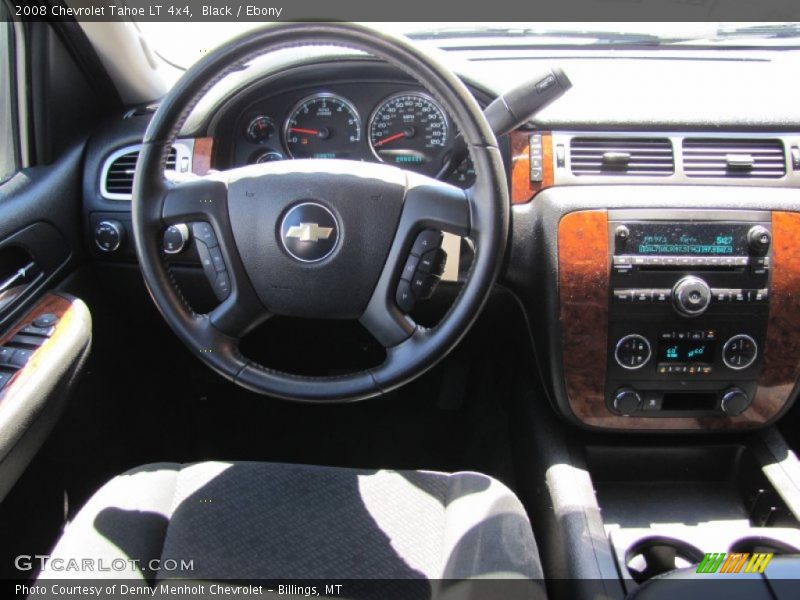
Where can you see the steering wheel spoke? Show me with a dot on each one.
(429, 205)
(202, 204)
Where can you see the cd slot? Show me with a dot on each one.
(675, 267)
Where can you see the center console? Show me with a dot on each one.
(689, 297)
(672, 317)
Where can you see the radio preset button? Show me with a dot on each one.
(632, 351)
(739, 352)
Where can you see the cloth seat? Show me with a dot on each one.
(253, 521)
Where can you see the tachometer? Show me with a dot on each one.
(322, 126)
(411, 131)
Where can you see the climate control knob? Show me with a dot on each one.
(632, 351)
(691, 296)
(739, 352)
(627, 401)
(734, 402)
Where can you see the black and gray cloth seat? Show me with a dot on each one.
(256, 521)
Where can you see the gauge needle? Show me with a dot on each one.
(303, 130)
(391, 138)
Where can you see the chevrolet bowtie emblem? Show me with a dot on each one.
(309, 232)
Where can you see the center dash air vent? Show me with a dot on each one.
(621, 156)
(119, 169)
(747, 158)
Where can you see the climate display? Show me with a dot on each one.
(686, 351)
(687, 239)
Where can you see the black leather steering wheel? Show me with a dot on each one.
(376, 212)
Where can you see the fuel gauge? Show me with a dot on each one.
(259, 129)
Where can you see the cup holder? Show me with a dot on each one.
(656, 555)
(754, 544)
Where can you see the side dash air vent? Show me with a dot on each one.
(118, 173)
(744, 158)
(621, 156)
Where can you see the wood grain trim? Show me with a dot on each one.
(201, 157)
(583, 251)
(51, 303)
(522, 188)
(781, 367)
(583, 312)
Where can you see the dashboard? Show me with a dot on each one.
(618, 220)
(391, 122)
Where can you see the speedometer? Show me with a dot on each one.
(322, 126)
(411, 131)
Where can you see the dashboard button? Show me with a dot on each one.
(6, 354)
(46, 320)
(623, 296)
(34, 330)
(21, 357)
(627, 401)
(4, 379)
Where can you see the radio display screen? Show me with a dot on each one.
(688, 239)
(686, 351)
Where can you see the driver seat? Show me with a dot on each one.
(252, 521)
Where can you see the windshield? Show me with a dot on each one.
(181, 44)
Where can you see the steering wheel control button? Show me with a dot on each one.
(739, 352)
(423, 285)
(109, 235)
(45, 320)
(222, 285)
(691, 296)
(627, 401)
(734, 402)
(309, 232)
(175, 238)
(410, 267)
(433, 261)
(632, 351)
(404, 297)
(427, 240)
(204, 232)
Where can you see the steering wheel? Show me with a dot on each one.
(369, 214)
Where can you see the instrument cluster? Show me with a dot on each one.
(370, 121)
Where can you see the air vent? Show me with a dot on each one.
(118, 175)
(621, 156)
(746, 158)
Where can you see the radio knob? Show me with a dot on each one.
(759, 239)
(691, 296)
(734, 402)
(627, 401)
(621, 235)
